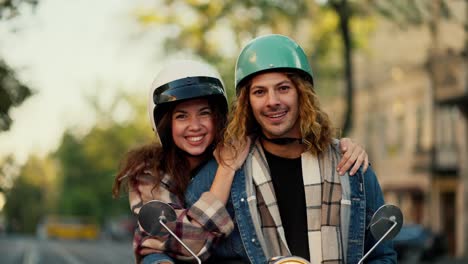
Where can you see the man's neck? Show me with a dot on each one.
(290, 151)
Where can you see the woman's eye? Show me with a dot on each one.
(204, 113)
(284, 88)
(179, 116)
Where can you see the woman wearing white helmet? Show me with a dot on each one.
(187, 109)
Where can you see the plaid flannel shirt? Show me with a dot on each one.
(197, 226)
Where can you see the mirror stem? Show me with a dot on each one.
(182, 243)
(378, 242)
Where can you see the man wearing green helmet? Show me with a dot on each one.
(288, 198)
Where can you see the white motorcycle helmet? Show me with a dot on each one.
(182, 80)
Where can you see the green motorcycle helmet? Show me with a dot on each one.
(270, 53)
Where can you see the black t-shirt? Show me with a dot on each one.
(286, 175)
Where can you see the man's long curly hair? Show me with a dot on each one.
(168, 160)
(315, 126)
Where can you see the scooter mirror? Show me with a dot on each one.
(385, 224)
(383, 220)
(153, 217)
(150, 215)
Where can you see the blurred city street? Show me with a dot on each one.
(29, 250)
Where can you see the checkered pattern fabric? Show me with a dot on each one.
(323, 195)
(198, 226)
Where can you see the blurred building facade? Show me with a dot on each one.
(411, 112)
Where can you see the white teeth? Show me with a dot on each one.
(194, 139)
(276, 115)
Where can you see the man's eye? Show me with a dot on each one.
(258, 92)
(284, 88)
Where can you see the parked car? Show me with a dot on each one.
(417, 243)
(62, 227)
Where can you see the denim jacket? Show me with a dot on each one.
(362, 190)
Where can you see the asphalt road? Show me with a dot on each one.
(29, 250)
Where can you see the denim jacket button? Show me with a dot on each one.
(253, 240)
(242, 199)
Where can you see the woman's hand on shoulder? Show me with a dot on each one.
(353, 153)
(232, 155)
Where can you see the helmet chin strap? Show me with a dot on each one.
(282, 141)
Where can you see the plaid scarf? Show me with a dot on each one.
(323, 195)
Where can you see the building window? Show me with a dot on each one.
(446, 152)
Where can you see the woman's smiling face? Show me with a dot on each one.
(193, 128)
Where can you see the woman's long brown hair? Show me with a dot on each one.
(316, 129)
(170, 160)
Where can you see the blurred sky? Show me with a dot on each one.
(66, 50)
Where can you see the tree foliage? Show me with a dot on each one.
(32, 195)
(88, 164)
(216, 31)
(77, 178)
(11, 8)
(9, 170)
(24, 207)
(406, 13)
(12, 91)
(328, 30)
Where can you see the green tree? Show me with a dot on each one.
(10, 8)
(208, 28)
(9, 170)
(332, 29)
(24, 207)
(12, 91)
(32, 195)
(77, 178)
(88, 163)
